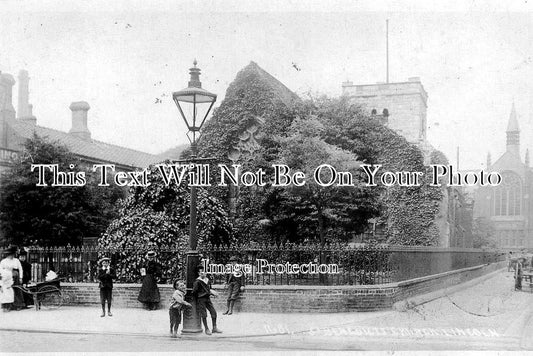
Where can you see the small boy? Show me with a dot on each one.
(176, 304)
(202, 292)
(105, 276)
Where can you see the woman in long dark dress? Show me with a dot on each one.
(149, 294)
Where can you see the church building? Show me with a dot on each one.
(402, 106)
(508, 205)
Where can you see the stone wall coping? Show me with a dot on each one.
(252, 287)
(305, 287)
(438, 275)
(296, 287)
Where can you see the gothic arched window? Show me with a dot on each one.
(507, 196)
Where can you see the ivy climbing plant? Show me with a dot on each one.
(157, 217)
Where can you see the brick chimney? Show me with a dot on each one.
(7, 111)
(24, 111)
(79, 120)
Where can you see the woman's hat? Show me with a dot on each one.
(151, 254)
(11, 250)
(103, 259)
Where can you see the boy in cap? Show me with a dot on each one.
(177, 302)
(105, 276)
(202, 292)
(235, 283)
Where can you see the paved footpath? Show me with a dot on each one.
(487, 315)
(136, 321)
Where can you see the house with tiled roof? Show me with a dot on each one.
(17, 126)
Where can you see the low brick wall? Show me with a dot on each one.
(307, 299)
(276, 299)
(428, 284)
(304, 299)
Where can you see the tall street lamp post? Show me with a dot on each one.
(194, 104)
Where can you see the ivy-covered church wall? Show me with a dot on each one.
(410, 214)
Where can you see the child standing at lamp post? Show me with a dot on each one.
(177, 302)
(202, 292)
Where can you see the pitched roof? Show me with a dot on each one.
(91, 149)
(509, 161)
(280, 90)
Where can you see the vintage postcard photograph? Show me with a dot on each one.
(278, 177)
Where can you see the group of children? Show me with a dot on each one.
(201, 291)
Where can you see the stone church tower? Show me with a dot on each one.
(508, 206)
(403, 105)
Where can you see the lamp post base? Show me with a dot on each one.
(191, 320)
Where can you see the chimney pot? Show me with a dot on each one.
(30, 118)
(347, 83)
(79, 120)
(24, 108)
(79, 106)
(7, 110)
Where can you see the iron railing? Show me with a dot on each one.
(345, 265)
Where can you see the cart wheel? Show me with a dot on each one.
(50, 297)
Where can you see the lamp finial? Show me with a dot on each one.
(195, 75)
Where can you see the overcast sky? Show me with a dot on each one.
(472, 62)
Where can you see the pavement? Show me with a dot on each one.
(485, 315)
(136, 321)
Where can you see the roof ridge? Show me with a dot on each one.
(279, 88)
(275, 79)
(126, 148)
(30, 125)
(94, 149)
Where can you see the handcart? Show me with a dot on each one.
(45, 295)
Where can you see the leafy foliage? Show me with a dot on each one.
(157, 217)
(303, 134)
(52, 215)
(407, 212)
(328, 206)
(254, 93)
(483, 232)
